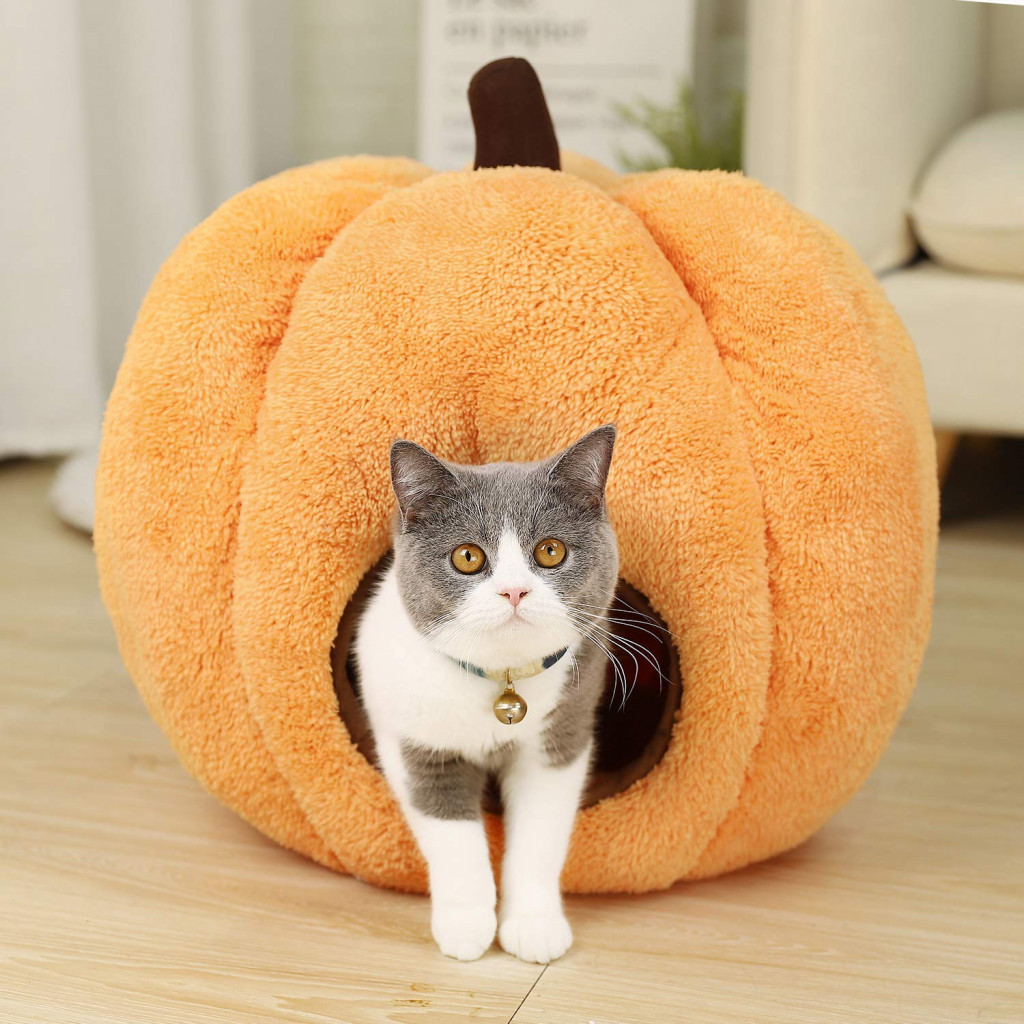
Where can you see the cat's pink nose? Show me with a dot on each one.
(514, 595)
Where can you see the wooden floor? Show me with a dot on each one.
(129, 895)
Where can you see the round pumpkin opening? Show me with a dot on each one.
(642, 693)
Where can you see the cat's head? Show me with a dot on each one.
(507, 562)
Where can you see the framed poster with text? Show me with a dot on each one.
(590, 54)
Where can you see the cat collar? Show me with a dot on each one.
(509, 706)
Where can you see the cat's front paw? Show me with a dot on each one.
(463, 932)
(537, 937)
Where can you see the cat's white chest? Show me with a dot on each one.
(411, 691)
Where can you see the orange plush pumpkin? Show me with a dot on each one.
(773, 489)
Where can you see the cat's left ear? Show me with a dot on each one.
(584, 465)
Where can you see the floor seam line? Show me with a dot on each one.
(528, 993)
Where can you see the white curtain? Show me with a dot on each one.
(124, 123)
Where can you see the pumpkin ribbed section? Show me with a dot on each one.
(774, 449)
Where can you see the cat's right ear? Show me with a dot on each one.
(584, 465)
(418, 477)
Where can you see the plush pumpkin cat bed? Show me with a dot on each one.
(773, 488)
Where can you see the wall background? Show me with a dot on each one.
(356, 70)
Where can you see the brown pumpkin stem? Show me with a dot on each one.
(510, 117)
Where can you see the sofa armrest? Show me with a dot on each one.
(969, 333)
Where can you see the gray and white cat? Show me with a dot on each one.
(499, 572)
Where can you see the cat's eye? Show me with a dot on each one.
(468, 558)
(549, 553)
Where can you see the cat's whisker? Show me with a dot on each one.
(627, 686)
(633, 645)
(618, 672)
(441, 633)
(569, 651)
(647, 620)
(643, 625)
(572, 656)
(630, 646)
(612, 639)
(624, 641)
(471, 635)
(625, 610)
(635, 626)
(599, 619)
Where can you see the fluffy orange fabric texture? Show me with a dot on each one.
(773, 489)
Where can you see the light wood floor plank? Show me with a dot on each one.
(907, 907)
(128, 894)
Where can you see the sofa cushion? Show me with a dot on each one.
(969, 208)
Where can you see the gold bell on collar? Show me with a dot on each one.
(509, 707)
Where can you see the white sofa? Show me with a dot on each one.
(848, 100)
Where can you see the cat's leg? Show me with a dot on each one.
(440, 795)
(540, 801)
